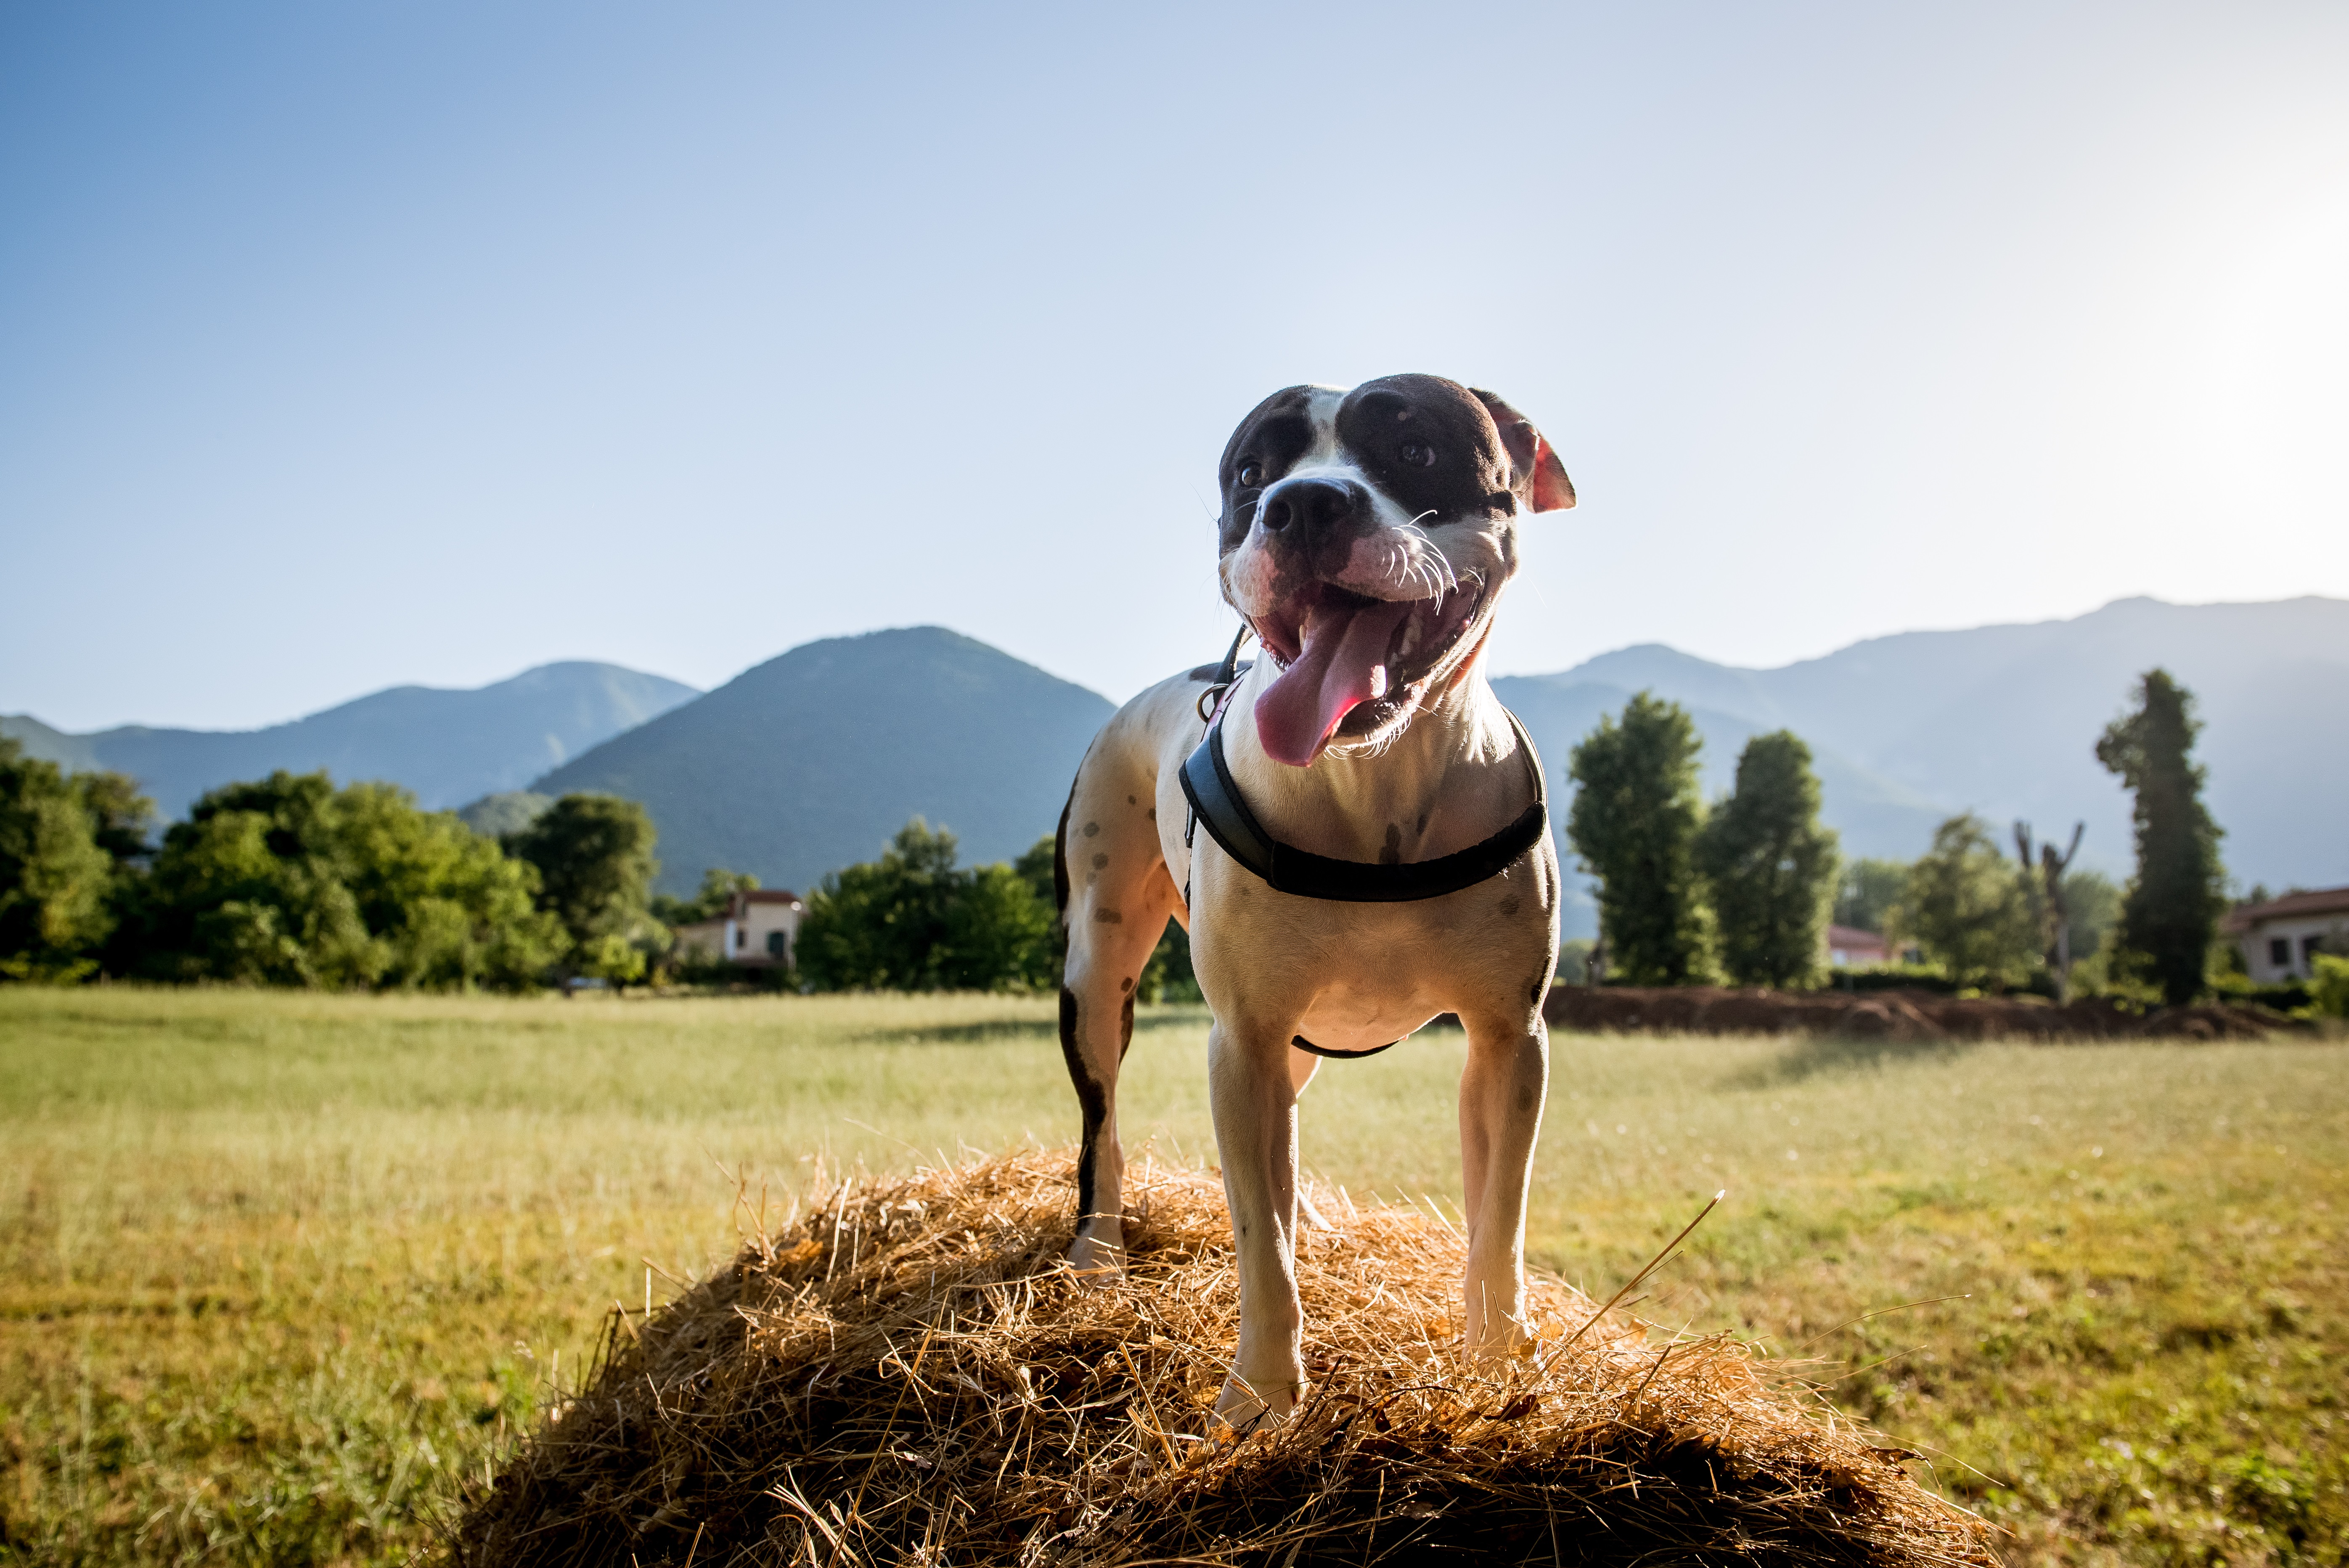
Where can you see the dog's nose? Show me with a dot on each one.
(1306, 509)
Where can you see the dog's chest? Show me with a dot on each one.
(1354, 977)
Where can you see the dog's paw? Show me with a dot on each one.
(1097, 1257)
(1498, 1338)
(1246, 1408)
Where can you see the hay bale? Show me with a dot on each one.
(906, 1375)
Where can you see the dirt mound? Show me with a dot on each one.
(1892, 1015)
(906, 1375)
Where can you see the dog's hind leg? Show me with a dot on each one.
(1115, 896)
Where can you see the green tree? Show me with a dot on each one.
(250, 889)
(57, 881)
(455, 912)
(881, 925)
(998, 934)
(2092, 906)
(1770, 868)
(1968, 909)
(1037, 867)
(1868, 891)
(913, 921)
(715, 897)
(290, 881)
(2172, 904)
(596, 867)
(1634, 825)
(121, 819)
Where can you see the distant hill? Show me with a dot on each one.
(450, 747)
(811, 761)
(2003, 720)
(507, 811)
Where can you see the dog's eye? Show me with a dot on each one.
(1248, 475)
(1418, 454)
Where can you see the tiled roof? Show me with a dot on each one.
(2322, 901)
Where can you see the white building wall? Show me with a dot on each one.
(2269, 965)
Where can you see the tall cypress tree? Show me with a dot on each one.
(1634, 823)
(2173, 903)
(1772, 867)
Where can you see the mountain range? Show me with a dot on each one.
(2003, 721)
(450, 747)
(810, 761)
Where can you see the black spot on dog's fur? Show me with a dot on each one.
(1100, 861)
(1393, 854)
(1093, 830)
(1125, 1027)
(1110, 916)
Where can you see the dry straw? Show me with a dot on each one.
(907, 1375)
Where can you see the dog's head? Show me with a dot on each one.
(1365, 536)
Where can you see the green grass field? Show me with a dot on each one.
(280, 1269)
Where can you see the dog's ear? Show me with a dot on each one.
(1540, 478)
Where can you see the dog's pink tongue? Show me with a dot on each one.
(1343, 662)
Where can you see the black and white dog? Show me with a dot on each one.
(1374, 852)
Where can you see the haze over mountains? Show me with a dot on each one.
(812, 760)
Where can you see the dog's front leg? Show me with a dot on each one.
(1501, 1093)
(1255, 1102)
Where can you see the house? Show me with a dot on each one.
(1848, 947)
(2281, 937)
(757, 930)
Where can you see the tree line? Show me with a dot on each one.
(1745, 889)
(290, 880)
(293, 881)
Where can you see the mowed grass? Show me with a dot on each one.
(281, 1271)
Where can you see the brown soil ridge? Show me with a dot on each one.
(1899, 1016)
(908, 1375)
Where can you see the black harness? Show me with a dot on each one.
(1216, 802)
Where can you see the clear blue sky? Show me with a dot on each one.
(354, 344)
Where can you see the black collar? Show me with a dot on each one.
(1216, 802)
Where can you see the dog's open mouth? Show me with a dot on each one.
(1339, 651)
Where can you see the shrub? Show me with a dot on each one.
(913, 921)
(2328, 987)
